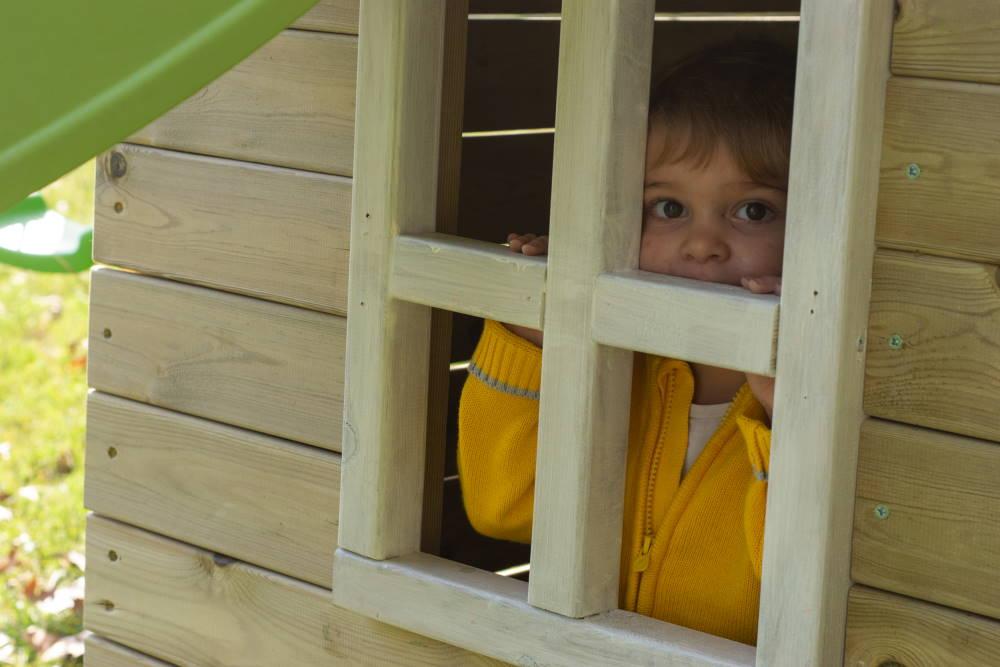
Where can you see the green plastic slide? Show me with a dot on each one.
(80, 75)
(36, 238)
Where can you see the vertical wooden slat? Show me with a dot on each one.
(601, 112)
(839, 104)
(449, 173)
(396, 170)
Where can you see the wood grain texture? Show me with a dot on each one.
(262, 366)
(429, 593)
(262, 500)
(272, 233)
(829, 243)
(945, 373)
(101, 652)
(181, 604)
(940, 540)
(331, 16)
(687, 319)
(291, 103)
(583, 428)
(885, 629)
(472, 277)
(958, 39)
(400, 74)
(950, 132)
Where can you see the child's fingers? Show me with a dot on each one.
(517, 241)
(539, 246)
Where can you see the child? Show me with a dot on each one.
(699, 438)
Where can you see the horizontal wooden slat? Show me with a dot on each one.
(722, 325)
(263, 366)
(885, 629)
(291, 104)
(925, 522)
(933, 344)
(178, 603)
(467, 276)
(428, 593)
(101, 652)
(938, 191)
(331, 16)
(249, 496)
(958, 39)
(269, 232)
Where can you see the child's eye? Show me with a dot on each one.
(754, 211)
(668, 208)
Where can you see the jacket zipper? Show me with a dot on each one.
(641, 562)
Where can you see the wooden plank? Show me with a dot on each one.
(101, 652)
(429, 593)
(830, 239)
(184, 605)
(400, 71)
(687, 319)
(959, 40)
(291, 104)
(249, 496)
(472, 277)
(934, 332)
(262, 366)
(597, 179)
(331, 16)
(938, 192)
(268, 232)
(886, 629)
(925, 522)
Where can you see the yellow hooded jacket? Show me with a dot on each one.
(691, 548)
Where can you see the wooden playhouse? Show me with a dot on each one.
(236, 478)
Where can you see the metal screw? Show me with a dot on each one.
(107, 333)
(112, 555)
(881, 512)
(112, 452)
(913, 171)
(118, 166)
(896, 342)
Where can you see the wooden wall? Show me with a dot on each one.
(926, 535)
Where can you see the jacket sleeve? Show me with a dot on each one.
(758, 438)
(498, 434)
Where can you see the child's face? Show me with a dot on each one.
(708, 223)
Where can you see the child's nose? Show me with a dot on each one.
(705, 242)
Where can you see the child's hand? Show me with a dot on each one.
(528, 244)
(761, 385)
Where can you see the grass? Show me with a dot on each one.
(43, 385)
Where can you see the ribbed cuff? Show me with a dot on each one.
(507, 362)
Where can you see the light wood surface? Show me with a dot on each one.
(189, 607)
(268, 232)
(686, 319)
(948, 204)
(925, 522)
(400, 72)
(472, 277)
(601, 118)
(958, 39)
(331, 16)
(263, 366)
(253, 497)
(829, 244)
(101, 652)
(291, 103)
(885, 629)
(487, 613)
(937, 371)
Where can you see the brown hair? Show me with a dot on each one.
(739, 92)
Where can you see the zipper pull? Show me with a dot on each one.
(642, 562)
